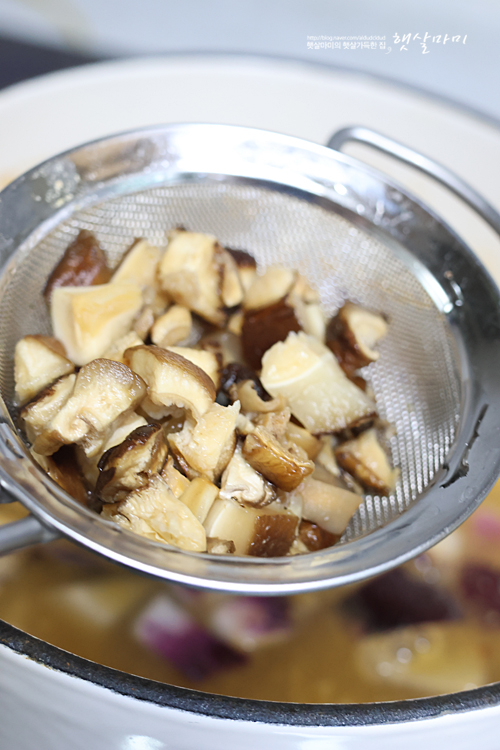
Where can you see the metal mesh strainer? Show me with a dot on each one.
(354, 235)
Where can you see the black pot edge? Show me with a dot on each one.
(243, 709)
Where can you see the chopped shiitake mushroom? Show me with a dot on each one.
(320, 395)
(269, 474)
(175, 480)
(242, 483)
(261, 532)
(38, 361)
(139, 264)
(328, 506)
(88, 320)
(246, 393)
(352, 335)
(83, 264)
(173, 382)
(246, 265)
(172, 327)
(199, 274)
(206, 447)
(103, 391)
(270, 287)
(119, 347)
(314, 537)
(205, 360)
(277, 303)
(36, 417)
(200, 496)
(64, 469)
(130, 464)
(153, 511)
(274, 460)
(366, 460)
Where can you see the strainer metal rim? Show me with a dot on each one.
(173, 153)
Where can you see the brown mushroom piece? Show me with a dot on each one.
(319, 393)
(274, 460)
(63, 468)
(172, 327)
(172, 477)
(327, 505)
(278, 302)
(352, 335)
(130, 464)
(88, 320)
(103, 392)
(264, 327)
(38, 361)
(199, 274)
(36, 417)
(246, 265)
(315, 538)
(247, 394)
(83, 264)
(205, 448)
(364, 458)
(173, 382)
(260, 532)
(122, 427)
(154, 512)
(242, 483)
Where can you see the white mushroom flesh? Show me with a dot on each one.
(173, 382)
(154, 512)
(88, 320)
(320, 395)
(38, 361)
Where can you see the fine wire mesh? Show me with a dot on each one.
(415, 380)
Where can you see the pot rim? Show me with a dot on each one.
(244, 709)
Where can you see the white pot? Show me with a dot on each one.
(52, 700)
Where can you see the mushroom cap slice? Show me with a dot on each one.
(272, 459)
(207, 447)
(129, 465)
(365, 459)
(173, 382)
(83, 264)
(319, 393)
(327, 505)
(260, 532)
(172, 477)
(88, 320)
(103, 391)
(38, 361)
(154, 512)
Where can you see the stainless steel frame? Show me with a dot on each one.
(464, 296)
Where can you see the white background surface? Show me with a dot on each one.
(468, 72)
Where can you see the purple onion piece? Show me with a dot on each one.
(397, 598)
(167, 629)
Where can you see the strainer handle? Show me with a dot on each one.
(423, 163)
(19, 534)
